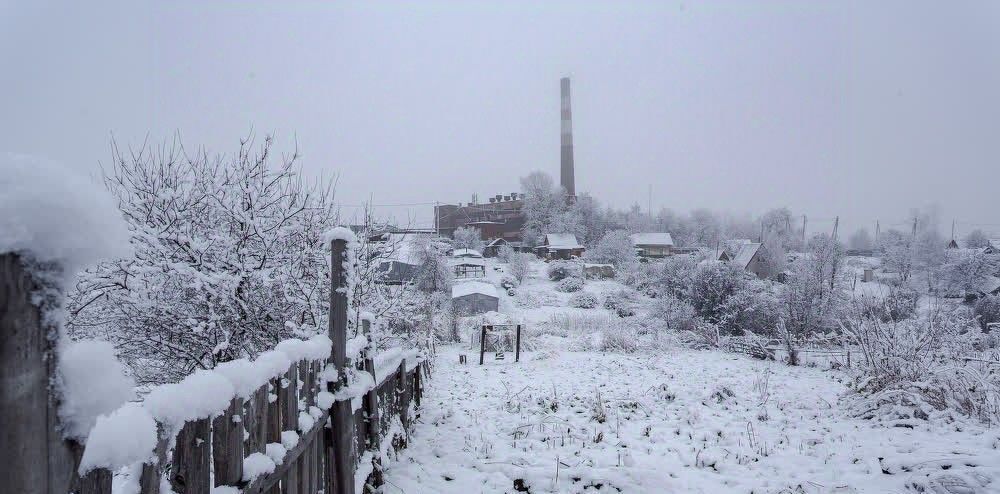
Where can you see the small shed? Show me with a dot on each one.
(469, 298)
(468, 267)
(560, 246)
(654, 245)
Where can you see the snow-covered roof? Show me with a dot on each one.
(562, 241)
(470, 287)
(498, 241)
(466, 253)
(662, 238)
(991, 285)
(995, 243)
(746, 253)
(467, 261)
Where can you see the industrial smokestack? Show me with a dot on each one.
(566, 178)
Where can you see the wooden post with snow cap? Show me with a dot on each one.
(341, 442)
(33, 456)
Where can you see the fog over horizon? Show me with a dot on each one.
(853, 109)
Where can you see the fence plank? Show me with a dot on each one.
(255, 421)
(97, 481)
(288, 400)
(192, 459)
(341, 439)
(403, 395)
(34, 457)
(149, 479)
(227, 444)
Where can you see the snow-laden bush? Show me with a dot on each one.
(621, 302)
(559, 270)
(674, 314)
(751, 308)
(676, 276)
(987, 311)
(584, 300)
(640, 276)
(712, 285)
(619, 337)
(914, 368)
(509, 281)
(570, 285)
(899, 304)
(532, 299)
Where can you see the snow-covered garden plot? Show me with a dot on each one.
(677, 421)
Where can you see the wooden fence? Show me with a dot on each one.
(339, 452)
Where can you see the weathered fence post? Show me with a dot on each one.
(517, 345)
(371, 397)
(192, 460)
(33, 456)
(341, 417)
(403, 387)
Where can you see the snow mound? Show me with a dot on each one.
(201, 395)
(118, 439)
(54, 214)
(93, 383)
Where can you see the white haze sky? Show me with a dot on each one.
(858, 109)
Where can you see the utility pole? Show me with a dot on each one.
(876, 232)
(836, 224)
(649, 202)
(437, 226)
(953, 229)
(914, 234)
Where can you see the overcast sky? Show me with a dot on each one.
(863, 110)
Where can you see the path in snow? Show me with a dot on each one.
(668, 426)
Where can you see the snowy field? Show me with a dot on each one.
(678, 421)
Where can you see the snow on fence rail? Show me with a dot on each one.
(308, 416)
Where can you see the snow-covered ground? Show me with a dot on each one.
(575, 421)
(673, 420)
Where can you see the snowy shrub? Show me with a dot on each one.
(520, 266)
(712, 285)
(752, 308)
(619, 337)
(913, 368)
(559, 270)
(508, 281)
(899, 304)
(675, 314)
(676, 276)
(468, 237)
(812, 296)
(579, 323)
(986, 311)
(584, 300)
(570, 285)
(621, 302)
(533, 299)
(640, 276)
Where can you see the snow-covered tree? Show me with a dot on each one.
(228, 259)
(467, 237)
(615, 247)
(543, 202)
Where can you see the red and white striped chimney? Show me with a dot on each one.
(566, 174)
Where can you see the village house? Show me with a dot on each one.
(749, 257)
(652, 245)
(401, 263)
(560, 246)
